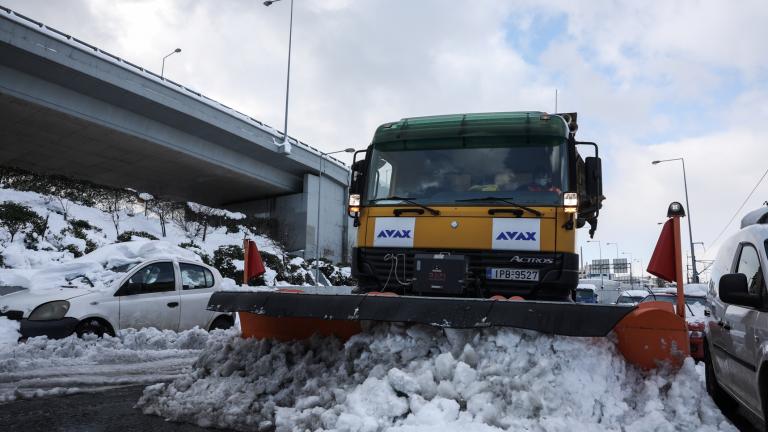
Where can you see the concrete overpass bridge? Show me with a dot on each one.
(69, 108)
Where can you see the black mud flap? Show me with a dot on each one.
(560, 318)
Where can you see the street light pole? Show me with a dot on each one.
(317, 226)
(617, 256)
(162, 69)
(631, 283)
(286, 145)
(600, 250)
(688, 210)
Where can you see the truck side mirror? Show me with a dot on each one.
(733, 289)
(356, 183)
(356, 186)
(594, 178)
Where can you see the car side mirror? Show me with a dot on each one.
(734, 289)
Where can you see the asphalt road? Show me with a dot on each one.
(113, 410)
(107, 411)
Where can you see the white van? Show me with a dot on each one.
(736, 344)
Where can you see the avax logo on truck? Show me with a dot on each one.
(514, 235)
(389, 233)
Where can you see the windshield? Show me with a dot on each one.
(628, 299)
(673, 299)
(524, 169)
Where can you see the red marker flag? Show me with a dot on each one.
(663, 264)
(253, 266)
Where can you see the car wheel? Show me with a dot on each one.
(723, 400)
(222, 323)
(93, 326)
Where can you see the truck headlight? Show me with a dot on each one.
(354, 203)
(570, 202)
(50, 311)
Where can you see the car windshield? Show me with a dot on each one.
(627, 299)
(523, 169)
(673, 299)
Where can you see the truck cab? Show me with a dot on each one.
(473, 205)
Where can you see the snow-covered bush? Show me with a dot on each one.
(14, 217)
(128, 235)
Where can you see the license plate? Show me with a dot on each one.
(512, 274)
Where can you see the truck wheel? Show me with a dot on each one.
(221, 323)
(93, 326)
(722, 399)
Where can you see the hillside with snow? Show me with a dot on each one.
(45, 221)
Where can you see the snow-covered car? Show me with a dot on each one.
(126, 285)
(631, 297)
(736, 333)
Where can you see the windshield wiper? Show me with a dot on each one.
(409, 201)
(504, 200)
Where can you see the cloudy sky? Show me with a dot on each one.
(650, 80)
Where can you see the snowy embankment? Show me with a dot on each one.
(427, 379)
(44, 367)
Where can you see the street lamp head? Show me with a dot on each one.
(269, 2)
(349, 150)
(656, 162)
(177, 50)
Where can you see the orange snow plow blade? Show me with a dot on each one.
(287, 329)
(653, 334)
(649, 334)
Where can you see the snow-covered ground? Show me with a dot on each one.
(53, 250)
(44, 367)
(9, 333)
(16, 255)
(425, 379)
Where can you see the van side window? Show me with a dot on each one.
(749, 266)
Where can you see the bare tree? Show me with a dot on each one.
(64, 205)
(204, 214)
(188, 222)
(113, 204)
(164, 211)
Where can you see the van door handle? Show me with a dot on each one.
(724, 325)
(173, 304)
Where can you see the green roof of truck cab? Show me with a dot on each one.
(523, 123)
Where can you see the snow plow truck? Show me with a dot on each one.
(468, 221)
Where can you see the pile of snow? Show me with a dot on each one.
(101, 266)
(43, 367)
(425, 379)
(9, 333)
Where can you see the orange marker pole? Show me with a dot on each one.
(679, 268)
(245, 261)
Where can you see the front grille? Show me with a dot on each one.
(13, 315)
(381, 262)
